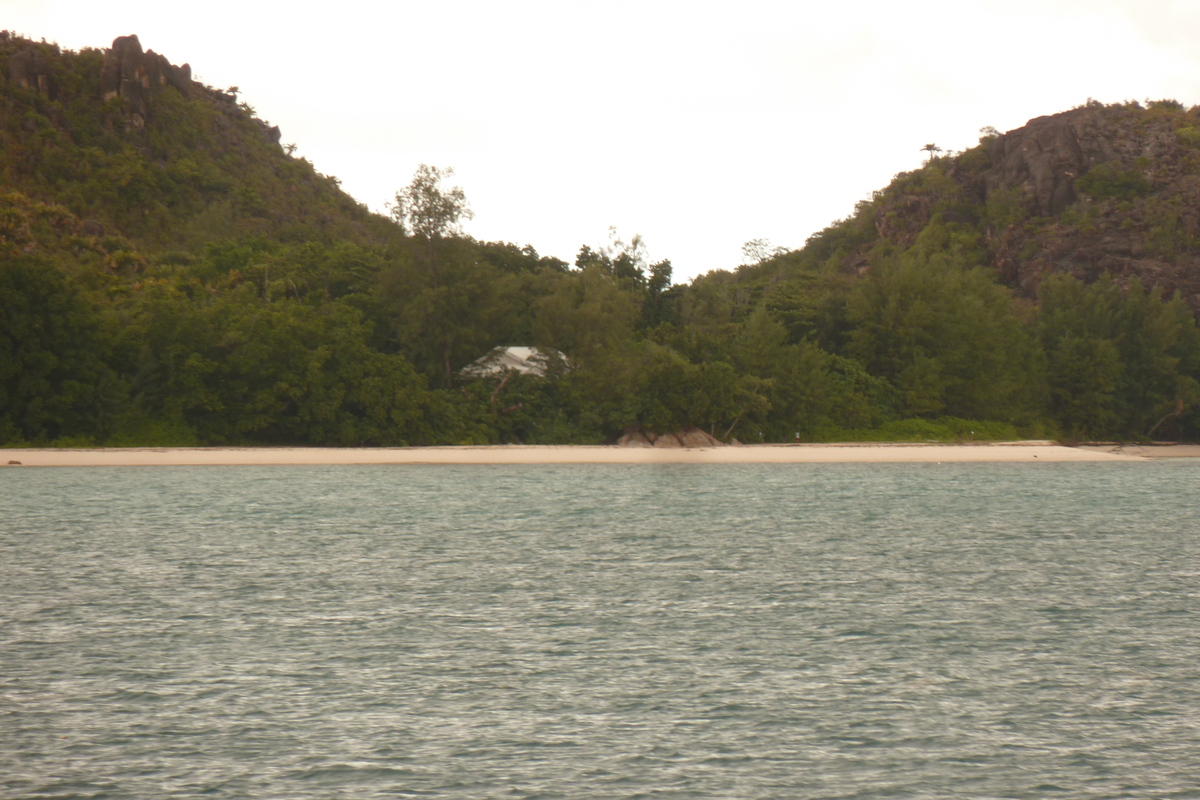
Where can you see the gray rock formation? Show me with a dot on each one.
(687, 437)
(1048, 154)
(634, 439)
(1147, 235)
(31, 68)
(694, 437)
(1100, 189)
(136, 76)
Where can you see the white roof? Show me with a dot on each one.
(522, 360)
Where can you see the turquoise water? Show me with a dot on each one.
(781, 631)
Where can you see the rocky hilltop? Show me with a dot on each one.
(135, 76)
(126, 138)
(1098, 189)
(127, 73)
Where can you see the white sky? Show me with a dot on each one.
(698, 125)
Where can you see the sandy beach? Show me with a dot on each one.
(1030, 452)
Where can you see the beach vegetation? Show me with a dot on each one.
(189, 281)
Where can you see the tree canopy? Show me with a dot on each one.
(191, 281)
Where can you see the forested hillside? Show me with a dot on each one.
(171, 274)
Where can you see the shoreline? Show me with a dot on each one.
(846, 453)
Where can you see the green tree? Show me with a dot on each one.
(53, 379)
(645, 384)
(430, 210)
(443, 325)
(585, 313)
(1118, 359)
(233, 368)
(947, 338)
(760, 251)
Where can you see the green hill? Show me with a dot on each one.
(171, 274)
(124, 138)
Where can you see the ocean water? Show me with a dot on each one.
(776, 631)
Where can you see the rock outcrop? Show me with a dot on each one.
(1045, 157)
(1110, 189)
(634, 438)
(694, 437)
(1048, 154)
(31, 68)
(1100, 189)
(686, 437)
(136, 76)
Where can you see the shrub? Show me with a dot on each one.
(1189, 136)
(1107, 180)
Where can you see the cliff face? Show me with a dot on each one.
(1108, 190)
(1045, 157)
(1098, 189)
(30, 69)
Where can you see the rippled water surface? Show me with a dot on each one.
(795, 631)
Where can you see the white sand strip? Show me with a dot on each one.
(1030, 452)
(1147, 450)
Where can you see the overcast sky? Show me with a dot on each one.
(698, 125)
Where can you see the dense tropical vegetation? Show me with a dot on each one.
(189, 281)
